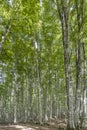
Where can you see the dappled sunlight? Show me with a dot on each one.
(17, 126)
(28, 129)
(23, 127)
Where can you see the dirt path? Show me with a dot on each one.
(33, 127)
(23, 127)
(29, 127)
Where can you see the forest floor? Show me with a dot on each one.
(31, 126)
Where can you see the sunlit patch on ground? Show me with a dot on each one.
(22, 127)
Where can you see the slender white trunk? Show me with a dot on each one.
(85, 89)
(15, 94)
(57, 108)
(39, 85)
(26, 100)
(85, 107)
(40, 99)
(45, 104)
(71, 106)
(51, 109)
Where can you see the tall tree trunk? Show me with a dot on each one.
(64, 16)
(38, 62)
(45, 104)
(78, 87)
(39, 92)
(15, 93)
(85, 89)
(79, 9)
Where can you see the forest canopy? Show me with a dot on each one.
(43, 61)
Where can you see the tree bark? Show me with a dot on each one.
(79, 9)
(64, 17)
(85, 89)
(15, 94)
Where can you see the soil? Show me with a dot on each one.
(49, 126)
(31, 126)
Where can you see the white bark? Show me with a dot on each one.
(15, 88)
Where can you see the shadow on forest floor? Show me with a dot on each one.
(49, 126)
(29, 127)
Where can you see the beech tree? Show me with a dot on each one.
(43, 62)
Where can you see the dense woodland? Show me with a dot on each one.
(43, 61)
